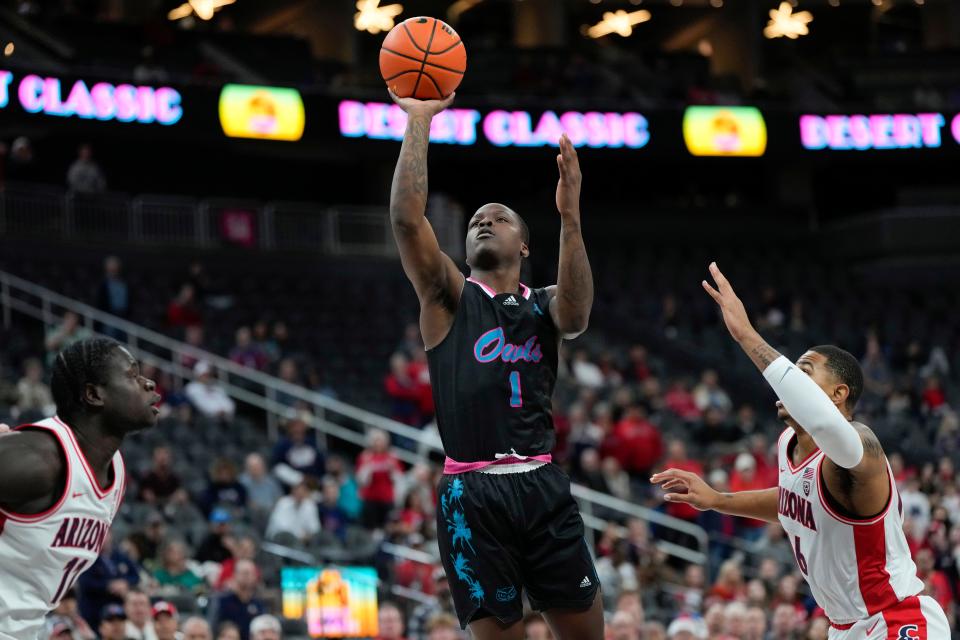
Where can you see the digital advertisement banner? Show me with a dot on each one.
(336, 602)
(284, 117)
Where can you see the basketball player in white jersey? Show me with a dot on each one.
(62, 480)
(836, 498)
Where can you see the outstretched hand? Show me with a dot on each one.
(568, 189)
(5, 428)
(734, 313)
(414, 106)
(688, 488)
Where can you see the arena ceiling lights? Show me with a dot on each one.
(785, 23)
(373, 18)
(619, 22)
(203, 9)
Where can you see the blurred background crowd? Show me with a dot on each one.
(258, 281)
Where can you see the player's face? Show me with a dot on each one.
(129, 399)
(494, 237)
(814, 365)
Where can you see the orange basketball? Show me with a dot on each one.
(423, 58)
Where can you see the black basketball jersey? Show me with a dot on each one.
(493, 374)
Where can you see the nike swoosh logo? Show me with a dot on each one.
(785, 374)
(870, 630)
(77, 495)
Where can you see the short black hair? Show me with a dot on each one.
(846, 368)
(82, 363)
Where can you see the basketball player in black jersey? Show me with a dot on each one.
(506, 522)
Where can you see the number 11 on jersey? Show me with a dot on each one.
(516, 393)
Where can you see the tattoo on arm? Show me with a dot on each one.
(574, 280)
(762, 354)
(408, 195)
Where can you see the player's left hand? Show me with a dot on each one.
(5, 428)
(568, 189)
(734, 313)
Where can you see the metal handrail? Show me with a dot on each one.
(138, 337)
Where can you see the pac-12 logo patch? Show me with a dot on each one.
(909, 632)
(506, 594)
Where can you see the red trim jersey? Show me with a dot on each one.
(856, 568)
(43, 554)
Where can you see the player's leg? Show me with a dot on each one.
(558, 574)
(568, 624)
(476, 530)
(492, 629)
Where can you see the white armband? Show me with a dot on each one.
(812, 409)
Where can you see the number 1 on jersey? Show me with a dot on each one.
(516, 397)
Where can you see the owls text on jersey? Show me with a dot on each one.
(856, 568)
(43, 554)
(493, 374)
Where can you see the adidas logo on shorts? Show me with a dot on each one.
(511, 302)
(585, 582)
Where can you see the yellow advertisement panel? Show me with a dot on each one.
(725, 131)
(266, 113)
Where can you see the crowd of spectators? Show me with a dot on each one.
(620, 418)
(620, 413)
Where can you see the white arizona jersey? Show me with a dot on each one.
(43, 554)
(855, 567)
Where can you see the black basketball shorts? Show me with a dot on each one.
(502, 533)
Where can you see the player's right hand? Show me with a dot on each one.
(427, 107)
(5, 428)
(734, 314)
(686, 487)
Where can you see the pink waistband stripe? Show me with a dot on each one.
(452, 467)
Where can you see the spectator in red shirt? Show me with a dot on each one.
(183, 311)
(635, 442)
(403, 390)
(420, 373)
(937, 585)
(680, 401)
(677, 459)
(413, 515)
(377, 473)
(745, 478)
(729, 585)
(766, 463)
(244, 549)
(638, 369)
(933, 395)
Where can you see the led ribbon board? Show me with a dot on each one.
(266, 113)
(724, 131)
(881, 131)
(381, 121)
(52, 96)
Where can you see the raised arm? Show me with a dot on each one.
(689, 488)
(803, 399)
(434, 275)
(573, 296)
